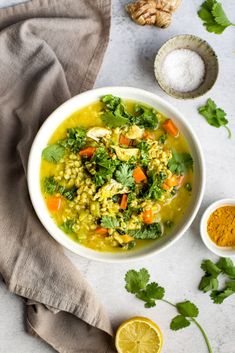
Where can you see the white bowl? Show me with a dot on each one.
(218, 250)
(63, 112)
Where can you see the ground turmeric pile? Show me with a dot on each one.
(221, 226)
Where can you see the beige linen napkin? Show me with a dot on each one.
(49, 51)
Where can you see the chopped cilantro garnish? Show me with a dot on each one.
(53, 153)
(180, 162)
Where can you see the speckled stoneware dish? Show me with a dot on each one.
(201, 47)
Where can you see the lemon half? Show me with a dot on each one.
(138, 335)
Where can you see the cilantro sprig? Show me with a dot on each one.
(210, 282)
(213, 16)
(138, 283)
(214, 116)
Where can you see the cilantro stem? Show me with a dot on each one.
(197, 324)
(166, 301)
(229, 132)
(203, 334)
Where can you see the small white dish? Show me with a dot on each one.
(218, 250)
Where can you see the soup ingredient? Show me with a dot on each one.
(68, 226)
(87, 152)
(183, 70)
(221, 226)
(214, 116)
(213, 16)
(123, 204)
(149, 231)
(53, 153)
(139, 175)
(153, 12)
(138, 283)
(210, 282)
(123, 140)
(75, 139)
(101, 231)
(148, 217)
(180, 162)
(138, 334)
(124, 175)
(96, 133)
(54, 203)
(170, 127)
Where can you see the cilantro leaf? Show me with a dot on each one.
(220, 16)
(180, 162)
(152, 293)
(218, 296)
(53, 153)
(179, 322)
(68, 226)
(208, 283)
(227, 267)
(214, 116)
(150, 231)
(213, 16)
(210, 268)
(136, 280)
(124, 175)
(112, 121)
(187, 309)
(109, 222)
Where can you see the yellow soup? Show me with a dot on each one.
(116, 175)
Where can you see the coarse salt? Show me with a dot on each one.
(183, 70)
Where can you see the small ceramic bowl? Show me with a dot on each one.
(201, 47)
(218, 250)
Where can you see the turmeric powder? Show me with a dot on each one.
(221, 226)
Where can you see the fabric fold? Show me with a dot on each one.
(50, 50)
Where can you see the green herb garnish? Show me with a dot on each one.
(213, 16)
(144, 155)
(109, 222)
(68, 226)
(188, 187)
(180, 162)
(50, 185)
(145, 117)
(214, 116)
(124, 175)
(138, 283)
(53, 153)
(210, 283)
(75, 140)
(150, 231)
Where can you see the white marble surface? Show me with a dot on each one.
(129, 61)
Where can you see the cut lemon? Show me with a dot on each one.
(138, 335)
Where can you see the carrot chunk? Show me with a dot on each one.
(123, 140)
(170, 128)
(123, 204)
(148, 216)
(54, 203)
(87, 152)
(139, 175)
(174, 180)
(101, 231)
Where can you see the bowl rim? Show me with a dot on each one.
(181, 95)
(217, 250)
(92, 96)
